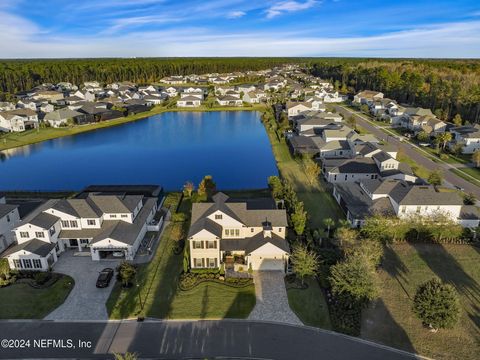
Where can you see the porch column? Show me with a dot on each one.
(79, 245)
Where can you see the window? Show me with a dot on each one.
(280, 229)
(8, 218)
(419, 208)
(52, 231)
(198, 263)
(252, 230)
(124, 215)
(37, 264)
(73, 223)
(84, 241)
(65, 224)
(237, 232)
(218, 216)
(404, 208)
(39, 234)
(227, 232)
(17, 263)
(211, 244)
(212, 263)
(27, 263)
(91, 222)
(24, 234)
(57, 247)
(113, 216)
(198, 244)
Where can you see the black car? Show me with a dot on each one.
(104, 278)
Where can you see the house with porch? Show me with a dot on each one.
(247, 234)
(103, 226)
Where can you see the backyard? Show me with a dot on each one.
(158, 290)
(390, 321)
(22, 301)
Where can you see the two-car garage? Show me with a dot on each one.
(268, 258)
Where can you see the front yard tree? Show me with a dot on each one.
(444, 138)
(457, 120)
(469, 199)
(476, 158)
(436, 304)
(304, 262)
(346, 236)
(435, 178)
(299, 218)
(423, 136)
(126, 273)
(354, 277)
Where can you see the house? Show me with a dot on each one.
(468, 137)
(104, 226)
(420, 119)
(238, 233)
(173, 80)
(60, 117)
(295, 108)
(46, 108)
(318, 120)
(367, 97)
(9, 217)
(18, 120)
(254, 97)
(396, 197)
(6, 106)
(26, 104)
(190, 99)
(229, 100)
(49, 95)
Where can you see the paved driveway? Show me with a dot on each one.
(85, 301)
(272, 301)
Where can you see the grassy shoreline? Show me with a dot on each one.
(14, 140)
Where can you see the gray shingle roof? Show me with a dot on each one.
(34, 246)
(6, 209)
(356, 166)
(44, 220)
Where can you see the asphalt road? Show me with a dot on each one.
(237, 339)
(413, 154)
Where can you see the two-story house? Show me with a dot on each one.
(250, 233)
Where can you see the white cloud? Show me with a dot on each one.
(236, 14)
(289, 6)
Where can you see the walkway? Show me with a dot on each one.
(85, 301)
(272, 301)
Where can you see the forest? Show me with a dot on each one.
(448, 87)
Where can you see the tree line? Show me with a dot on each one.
(448, 87)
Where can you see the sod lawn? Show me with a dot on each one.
(158, 295)
(22, 301)
(309, 304)
(390, 320)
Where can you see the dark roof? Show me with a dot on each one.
(356, 166)
(34, 246)
(6, 209)
(427, 195)
(44, 220)
(251, 244)
(469, 212)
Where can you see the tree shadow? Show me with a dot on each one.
(242, 305)
(204, 310)
(380, 326)
(474, 315)
(449, 270)
(395, 267)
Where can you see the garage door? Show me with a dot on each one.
(262, 263)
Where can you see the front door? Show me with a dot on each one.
(73, 243)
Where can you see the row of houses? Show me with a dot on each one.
(417, 119)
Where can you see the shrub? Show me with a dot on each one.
(41, 278)
(179, 217)
(126, 274)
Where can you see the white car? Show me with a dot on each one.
(118, 254)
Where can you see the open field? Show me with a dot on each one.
(389, 320)
(22, 301)
(12, 140)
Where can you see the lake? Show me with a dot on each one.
(166, 149)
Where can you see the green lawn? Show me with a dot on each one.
(12, 140)
(21, 301)
(319, 203)
(213, 301)
(310, 305)
(158, 286)
(390, 319)
(475, 172)
(418, 170)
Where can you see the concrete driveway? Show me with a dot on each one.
(86, 301)
(272, 300)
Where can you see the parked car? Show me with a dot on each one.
(118, 254)
(104, 277)
(424, 144)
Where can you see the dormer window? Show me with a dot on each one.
(218, 216)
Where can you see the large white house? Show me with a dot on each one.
(9, 217)
(248, 234)
(103, 225)
(468, 137)
(190, 99)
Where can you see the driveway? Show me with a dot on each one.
(85, 301)
(272, 301)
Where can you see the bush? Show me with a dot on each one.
(179, 217)
(126, 274)
(41, 278)
(443, 157)
(345, 314)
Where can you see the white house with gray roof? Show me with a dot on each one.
(103, 225)
(240, 233)
(9, 217)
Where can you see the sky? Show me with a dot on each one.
(178, 28)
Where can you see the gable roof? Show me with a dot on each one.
(35, 246)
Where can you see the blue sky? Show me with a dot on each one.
(127, 28)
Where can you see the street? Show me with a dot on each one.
(412, 153)
(183, 339)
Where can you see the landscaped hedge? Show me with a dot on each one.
(345, 314)
(190, 280)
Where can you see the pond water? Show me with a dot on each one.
(166, 149)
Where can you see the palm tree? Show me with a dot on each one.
(444, 138)
(328, 222)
